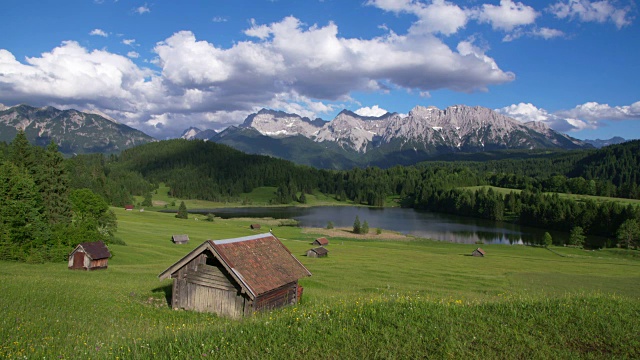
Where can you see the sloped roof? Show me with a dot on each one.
(259, 263)
(322, 241)
(177, 238)
(320, 250)
(96, 250)
(480, 251)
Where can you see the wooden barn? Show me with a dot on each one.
(318, 252)
(128, 207)
(478, 252)
(320, 241)
(255, 226)
(180, 239)
(236, 277)
(89, 256)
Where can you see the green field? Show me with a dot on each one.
(371, 298)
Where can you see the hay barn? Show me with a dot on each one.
(89, 256)
(255, 226)
(236, 277)
(320, 241)
(180, 239)
(318, 252)
(478, 252)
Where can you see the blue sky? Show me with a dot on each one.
(163, 66)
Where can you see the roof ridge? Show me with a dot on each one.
(244, 238)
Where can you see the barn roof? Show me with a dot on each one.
(320, 250)
(480, 251)
(182, 237)
(96, 250)
(322, 241)
(259, 263)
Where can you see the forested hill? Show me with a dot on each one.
(205, 170)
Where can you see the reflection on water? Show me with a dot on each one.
(407, 221)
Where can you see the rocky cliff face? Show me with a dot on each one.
(74, 132)
(457, 128)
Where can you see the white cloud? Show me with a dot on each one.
(586, 116)
(506, 16)
(291, 66)
(98, 32)
(133, 54)
(129, 42)
(547, 33)
(592, 11)
(142, 9)
(219, 19)
(439, 16)
(375, 110)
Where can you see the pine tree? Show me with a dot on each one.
(365, 228)
(356, 225)
(182, 211)
(547, 240)
(147, 200)
(577, 236)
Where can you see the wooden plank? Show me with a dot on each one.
(211, 284)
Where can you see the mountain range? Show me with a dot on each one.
(354, 140)
(74, 132)
(346, 141)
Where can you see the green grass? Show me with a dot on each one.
(368, 299)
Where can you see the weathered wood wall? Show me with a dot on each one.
(282, 296)
(207, 288)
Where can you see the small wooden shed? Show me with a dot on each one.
(317, 252)
(180, 239)
(128, 207)
(236, 277)
(255, 226)
(89, 256)
(320, 241)
(478, 252)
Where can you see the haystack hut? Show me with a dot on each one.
(255, 226)
(320, 241)
(318, 252)
(478, 252)
(89, 256)
(236, 277)
(180, 239)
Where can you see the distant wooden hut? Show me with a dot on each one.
(89, 256)
(320, 241)
(180, 239)
(255, 226)
(318, 252)
(236, 277)
(128, 207)
(478, 252)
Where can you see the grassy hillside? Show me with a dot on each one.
(371, 298)
(505, 191)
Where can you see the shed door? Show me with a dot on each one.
(78, 260)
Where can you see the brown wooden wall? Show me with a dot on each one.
(98, 264)
(207, 288)
(282, 296)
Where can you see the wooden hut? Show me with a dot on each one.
(318, 252)
(128, 207)
(89, 256)
(320, 241)
(478, 252)
(180, 239)
(236, 277)
(255, 226)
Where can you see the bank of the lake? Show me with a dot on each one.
(421, 224)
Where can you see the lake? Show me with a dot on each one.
(422, 224)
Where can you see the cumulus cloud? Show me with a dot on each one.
(129, 42)
(286, 65)
(375, 110)
(133, 54)
(98, 32)
(439, 16)
(506, 16)
(592, 11)
(586, 116)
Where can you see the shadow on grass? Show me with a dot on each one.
(167, 290)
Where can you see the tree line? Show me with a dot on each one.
(41, 216)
